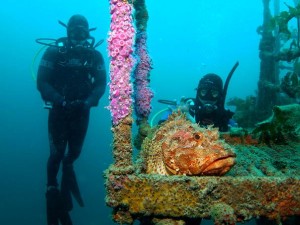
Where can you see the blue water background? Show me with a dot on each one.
(186, 40)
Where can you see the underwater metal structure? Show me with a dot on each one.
(268, 78)
(159, 199)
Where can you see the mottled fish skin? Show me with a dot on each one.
(179, 147)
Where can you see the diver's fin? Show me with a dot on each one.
(52, 205)
(70, 182)
(66, 197)
(56, 208)
(65, 218)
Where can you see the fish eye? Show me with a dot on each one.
(197, 136)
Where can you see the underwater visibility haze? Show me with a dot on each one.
(186, 40)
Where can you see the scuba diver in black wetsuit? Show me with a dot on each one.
(71, 79)
(208, 105)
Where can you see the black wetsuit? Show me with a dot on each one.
(218, 118)
(73, 80)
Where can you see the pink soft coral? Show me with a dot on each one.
(120, 48)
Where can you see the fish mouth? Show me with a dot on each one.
(219, 166)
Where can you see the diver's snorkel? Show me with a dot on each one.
(227, 83)
(63, 24)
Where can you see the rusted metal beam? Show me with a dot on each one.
(140, 195)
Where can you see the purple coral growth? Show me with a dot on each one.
(143, 93)
(120, 47)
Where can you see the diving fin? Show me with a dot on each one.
(55, 209)
(69, 184)
(66, 193)
(52, 205)
(65, 218)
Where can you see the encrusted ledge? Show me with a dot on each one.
(139, 195)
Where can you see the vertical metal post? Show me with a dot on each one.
(121, 39)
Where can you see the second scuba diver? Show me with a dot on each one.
(207, 108)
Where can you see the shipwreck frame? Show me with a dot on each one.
(172, 199)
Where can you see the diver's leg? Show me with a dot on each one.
(57, 130)
(77, 131)
(57, 139)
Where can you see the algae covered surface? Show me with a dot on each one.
(276, 160)
(277, 152)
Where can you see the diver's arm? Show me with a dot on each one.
(224, 116)
(45, 72)
(99, 74)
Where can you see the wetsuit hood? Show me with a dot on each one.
(210, 88)
(78, 28)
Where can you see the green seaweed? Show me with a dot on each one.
(245, 112)
(290, 84)
(281, 127)
(281, 21)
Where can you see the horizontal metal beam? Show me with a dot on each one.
(135, 196)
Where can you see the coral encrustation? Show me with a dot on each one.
(143, 93)
(121, 38)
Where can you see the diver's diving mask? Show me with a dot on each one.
(78, 36)
(78, 33)
(208, 98)
(208, 94)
